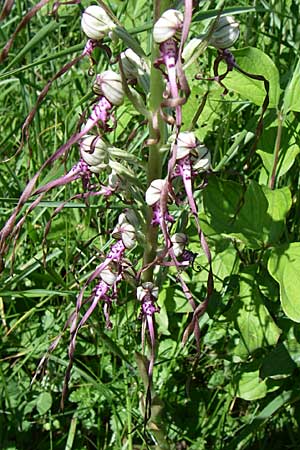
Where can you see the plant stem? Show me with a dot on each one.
(157, 135)
(276, 149)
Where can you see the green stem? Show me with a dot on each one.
(158, 137)
(276, 150)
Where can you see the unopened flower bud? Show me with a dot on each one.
(109, 84)
(168, 25)
(96, 23)
(179, 241)
(94, 151)
(146, 288)
(153, 192)
(225, 33)
(132, 64)
(201, 159)
(108, 276)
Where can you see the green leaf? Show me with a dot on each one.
(37, 38)
(268, 411)
(255, 217)
(256, 62)
(279, 204)
(253, 321)
(223, 265)
(221, 199)
(129, 41)
(174, 300)
(248, 385)
(284, 266)
(278, 363)
(251, 387)
(291, 101)
(213, 13)
(289, 149)
(44, 402)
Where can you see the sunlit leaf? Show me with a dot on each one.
(252, 319)
(44, 402)
(254, 61)
(284, 266)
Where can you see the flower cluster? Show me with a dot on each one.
(105, 169)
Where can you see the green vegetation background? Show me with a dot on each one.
(244, 393)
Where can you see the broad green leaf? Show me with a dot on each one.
(221, 200)
(44, 402)
(279, 204)
(174, 300)
(292, 344)
(252, 319)
(248, 385)
(223, 265)
(208, 115)
(256, 62)
(289, 149)
(291, 101)
(250, 226)
(278, 363)
(284, 266)
(293, 348)
(255, 217)
(162, 318)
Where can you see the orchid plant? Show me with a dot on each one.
(174, 173)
